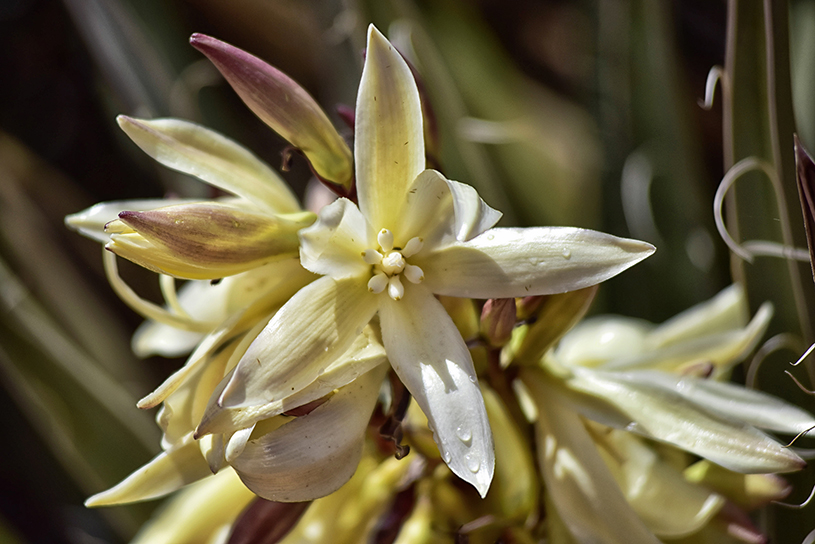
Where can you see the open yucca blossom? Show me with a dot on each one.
(657, 396)
(633, 483)
(289, 354)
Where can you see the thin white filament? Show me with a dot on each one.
(753, 248)
(145, 308)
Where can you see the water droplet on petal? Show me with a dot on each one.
(447, 457)
(473, 463)
(464, 434)
(490, 236)
(567, 253)
(473, 379)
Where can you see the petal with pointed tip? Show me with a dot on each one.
(735, 402)
(440, 210)
(433, 362)
(283, 105)
(213, 158)
(315, 454)
(334, 244)
(663, 414)
(722, 350)
(388, 140)
(514, 262)
(727, 311)
(167, 472)
(316, 325)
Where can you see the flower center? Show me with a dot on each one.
(389, 264)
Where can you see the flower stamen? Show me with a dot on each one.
(385, 239)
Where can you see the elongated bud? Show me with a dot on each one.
(553, 318)
(283, 105)
(498, 320)
(204, 240)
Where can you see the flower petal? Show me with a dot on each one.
(283, 105)
(440, 210)
(515, 262)
(669, 505)
(91, 222)
(388, 141)
(204, 240)
(663, 414)
(722, 350)
(734, 401)
(317, 324)
(727, 311)
(431, 359)
(364, 354)
(315, 454)
(334, 244)
(167, 472)
(584, 493)
(213, 158)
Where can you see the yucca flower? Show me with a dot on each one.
(658, 383)
(414, 234)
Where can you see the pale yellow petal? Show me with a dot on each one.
(388, 140)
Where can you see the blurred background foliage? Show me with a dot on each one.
(561, 112)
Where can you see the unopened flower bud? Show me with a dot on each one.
(498, 320)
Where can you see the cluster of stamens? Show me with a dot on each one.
(389, 264)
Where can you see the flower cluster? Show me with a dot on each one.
(324, 326)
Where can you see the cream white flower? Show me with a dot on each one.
(656, 382)
(413, 235)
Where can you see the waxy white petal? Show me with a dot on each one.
(431, 359)
(663, 414)
(442, 211)
(364, 354)
(283, 105)
(319, 323)
(733, 401)
(473, 215)
(727, 311)
(167, 472)
(213, 158)
(315, 454)
(334, 245)
(389, 139)
(722, 350)
(585, 494)
(515, 262)
(91, 221)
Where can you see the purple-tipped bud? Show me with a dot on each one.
(283, 105)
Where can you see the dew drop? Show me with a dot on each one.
(473, 379)
(447, 457)
(567, 253)
(464, 434)
(473, 463)
(490, 236)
